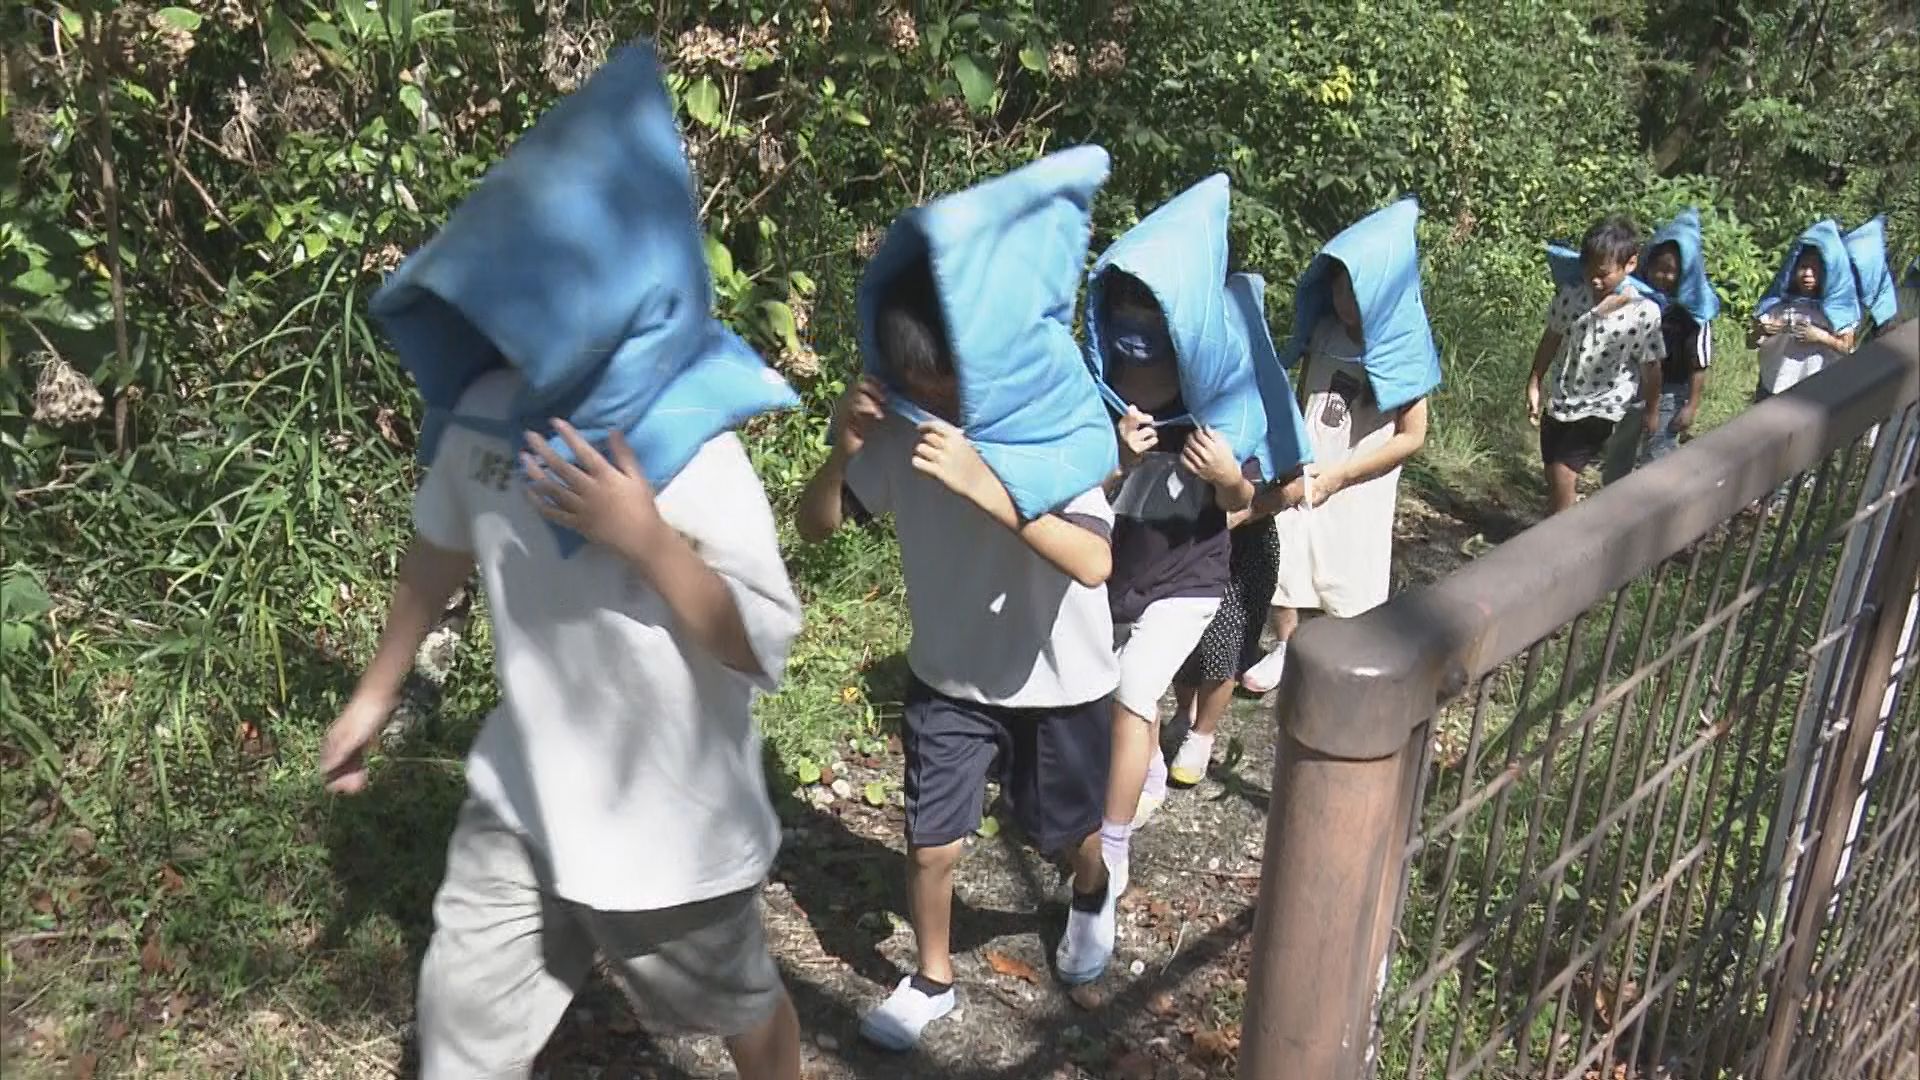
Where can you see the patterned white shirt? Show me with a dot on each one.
(1597, 373)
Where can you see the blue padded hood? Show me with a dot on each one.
(1287, 443)
(1383, 261)
(1180, 253)
(1695, 292)
(1841, 299)
(1867, 250)
(1563, 263)
(1006, 257)
(579, 262)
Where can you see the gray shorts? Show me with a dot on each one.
(507, 957)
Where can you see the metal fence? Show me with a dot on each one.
(1635, 795)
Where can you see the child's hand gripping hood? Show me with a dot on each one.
(1867, 251)
(1180, 253)
(1695, 293)
(1840, 299)
(579, 262)
(1006, 257)
(1382, 259)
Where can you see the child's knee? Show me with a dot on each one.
(937, 858)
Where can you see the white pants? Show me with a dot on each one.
(1153, 647)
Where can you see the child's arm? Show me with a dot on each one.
(611, 504)
(1272, 499)
(1841, 342)
(428, 578)
(1702, 349)
(1409, 435)
(1762, 328)
(945, 454)
(1543, 355)
(820, 511)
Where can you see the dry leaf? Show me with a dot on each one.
(1162, 1005)
(1012, 966)
(828, 776)
(83, 1066)
(81, 840)
(42, 901)
(171, 881)
(1089, 997)
(1132, 1065)
(153, 958)
(1211, 1047)
(116, 1030)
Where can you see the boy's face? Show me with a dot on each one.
(1346, 307)
(1807, 272)
(1605, 276)
(1663, 270)
(938, 394)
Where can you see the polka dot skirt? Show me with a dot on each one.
(1231, 644)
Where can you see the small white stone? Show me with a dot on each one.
(826, 1042)
(843, 788)
(1138, 967)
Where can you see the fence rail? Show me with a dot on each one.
(1637, 794)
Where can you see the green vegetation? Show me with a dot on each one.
(208, 451)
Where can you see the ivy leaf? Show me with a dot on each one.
(719, 259)
(410, 96)
(37, 281)
(989, 827)
(1033, 59)
(807, 771)
(975, 82)
(184, 18)
(703, 102)
(875, 793)
(780, 320)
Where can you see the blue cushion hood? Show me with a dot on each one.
(1695, 292)
(1180, 253)
(1867, 250)
(1563, 264)
(1382, 258)
(1006, 257)
(1288, 446)
(579, 262)
(1841, 299)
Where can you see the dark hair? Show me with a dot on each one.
(1611, 242)
(1119, 287)
(909, 328)
(1819, 266)
(1666, 247)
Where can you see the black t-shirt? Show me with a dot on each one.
(1689, 345)
(1170, 537)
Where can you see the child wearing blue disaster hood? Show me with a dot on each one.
(1368, 363)
(978, 429)
(1171, 353)
(1675, 265)
(1807, 318)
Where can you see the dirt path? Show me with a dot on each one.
(1168, 1008)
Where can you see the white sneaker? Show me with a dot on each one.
(1087, 946)
(896, 1023)
(1262, 677)
(1190, 764)
(1149, 804)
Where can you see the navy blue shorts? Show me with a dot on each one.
(1051, 765)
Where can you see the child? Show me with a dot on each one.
(1172, 357)
(1807, 318)
(616, 799)
(1601, 348)
(1370, 364)
(1675, 266)
(1011, 655)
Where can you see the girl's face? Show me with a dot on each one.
(1151, 380)
(1346, 307)
(938, 394)
(1663, 270)
(1808, 273)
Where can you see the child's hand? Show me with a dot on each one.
(1294, 492)
(609, 503)
(1614, 302)
(944, 453)
(1533, 402)
(1208, 457)
(343, 756)
(862, 406)
(1652, 425)
(1137, 436)
(1324, 483)
(1811, 334)
(1682, 420)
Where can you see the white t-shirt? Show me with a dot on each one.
(993, 622)
(1338, 557)
(624, 753)
(1597, 373)
(1785, 361)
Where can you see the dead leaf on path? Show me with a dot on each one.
(83, 1066)
(828, 776)
(1132, 1065)
(81, 840)
(1089, 997)
(153, 958)
(115, 1031)
(1214, 1047)
(41, 901)
(1162, 1005)
(171, 881)
(1012, 966)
